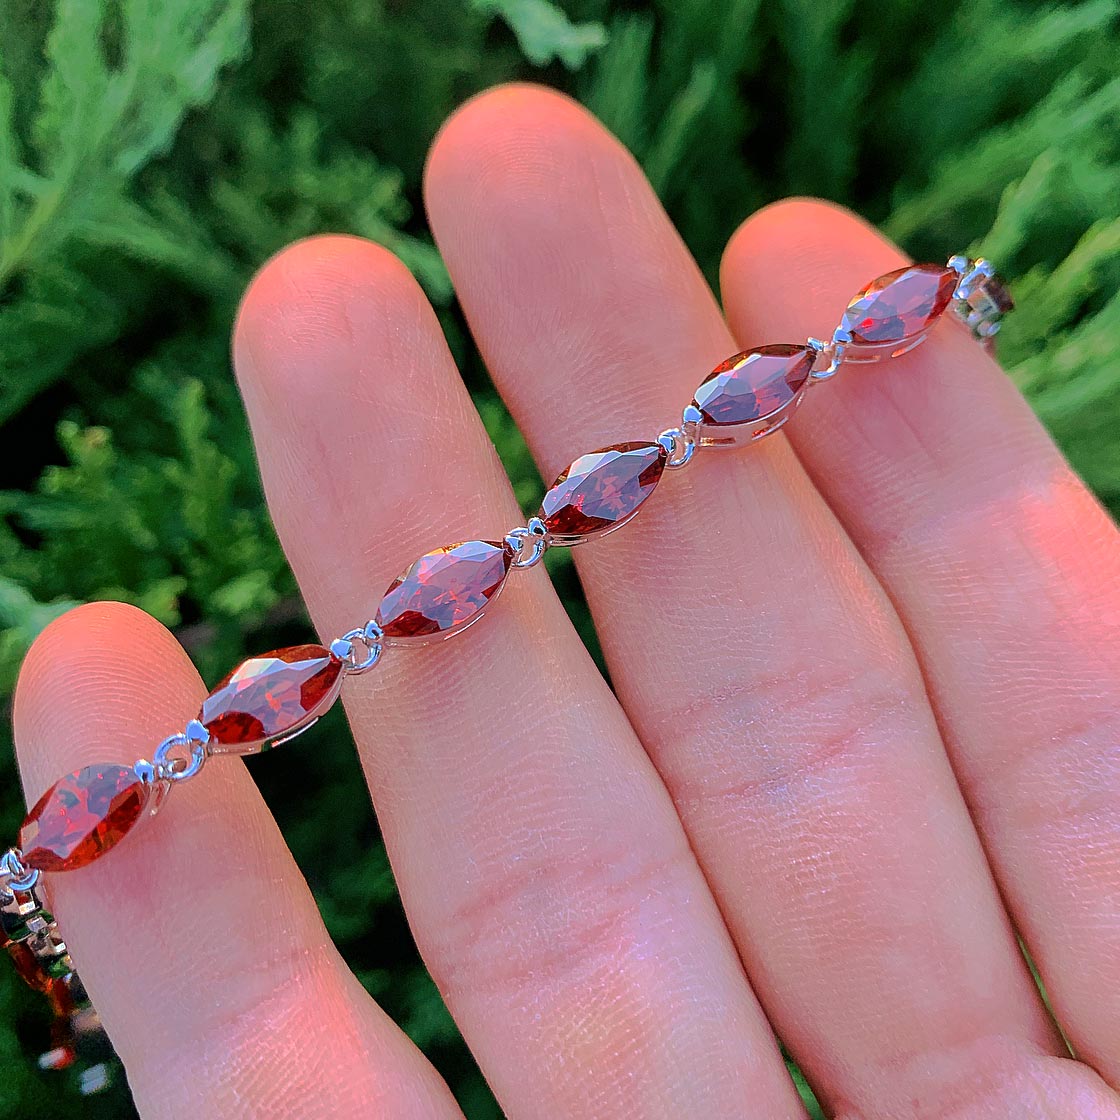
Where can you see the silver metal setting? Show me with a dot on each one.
(864, 353)
(528, 543)
(158, 786)
(679, 444)
(973, 300)
(15, 875)
(830, 355)
(359, 650)
(749, 431)
(179, 757)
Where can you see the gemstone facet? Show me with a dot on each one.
(900, 304)
(602, 490)
(755, 384)
(991, 298)
(82, 816)
(271, 696)
(444, 591)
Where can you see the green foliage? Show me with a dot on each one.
(545, 33)
(154, 152)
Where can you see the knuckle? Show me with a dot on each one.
(549, 915)
(780, 738)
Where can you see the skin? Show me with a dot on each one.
(864, 727)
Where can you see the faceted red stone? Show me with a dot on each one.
(64, 999)
(754, 384)
(601, 490)
(1000, 295)
(271, 695)
(900, 304)
(81, 817)
(444, 590)
(991, 297)
(27, 965)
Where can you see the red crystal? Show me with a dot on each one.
(81, 817)
(271, 695)
(991, 297)
(1000, 295)
(603, 489)
(754, 384)
(444, 590)
(900, 304)
(27, 965)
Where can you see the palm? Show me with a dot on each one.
(864, 718)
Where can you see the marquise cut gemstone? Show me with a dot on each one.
(81, 817)
(271, 695)
(754, 384)
(900, 304)
(444, 590)
(603, 489)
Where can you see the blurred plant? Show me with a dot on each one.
(154, 152)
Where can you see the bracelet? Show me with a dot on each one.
(269, 699)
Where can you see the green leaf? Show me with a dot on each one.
(9, 158)
(678, 126)
(619, 91)
(544, 32)
(99, 124)
(77, 101)
(22, 619)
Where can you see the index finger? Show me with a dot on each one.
(198, 938)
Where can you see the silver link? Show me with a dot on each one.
(360, 649)
(179, 757)
(679, 444)
(832, 352)
(975, 299)
(528, 543)
(15, 875)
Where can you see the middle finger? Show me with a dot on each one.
(763, 667)
(548, 881)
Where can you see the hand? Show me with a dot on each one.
(865, 724)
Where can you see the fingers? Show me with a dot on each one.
(761, 665)
(197, 937)
(1007, 574)
(546, 876)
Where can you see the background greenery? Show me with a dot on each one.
(154, 152)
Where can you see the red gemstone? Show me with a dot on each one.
(81, 817)
(602, 490)
(1000, 295)
(754, 384)
(271, 695)
(900, 304)
(444, 590)
(991, 297)
(64, 998)
(27, 965)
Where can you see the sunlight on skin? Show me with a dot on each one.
(589, 940)
(1007, 574)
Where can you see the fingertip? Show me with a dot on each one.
(510, 119)
(503, 165)
(795, 260)
(83, 672)
(321, 314)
